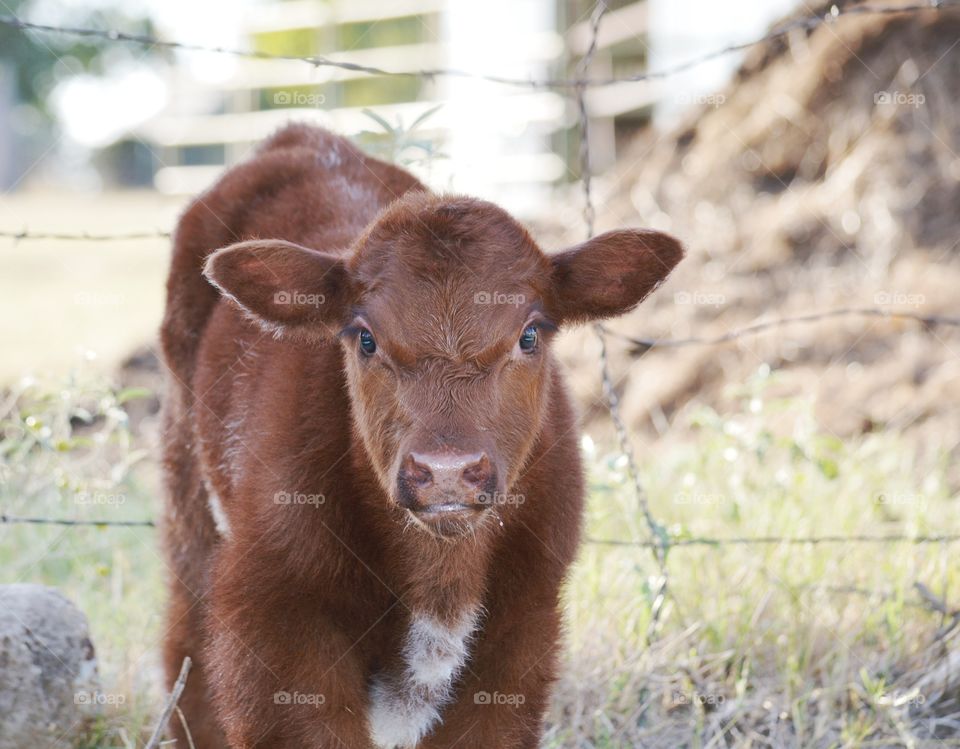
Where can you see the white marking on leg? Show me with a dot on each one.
(404, 708)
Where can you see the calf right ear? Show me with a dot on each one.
(283, 285)
(610, 274)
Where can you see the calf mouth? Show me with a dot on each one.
(448, 521)
(448, 508)
(447, 517)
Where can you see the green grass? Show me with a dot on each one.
(779, 645)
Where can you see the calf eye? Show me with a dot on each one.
(367, 345)
(528, 339)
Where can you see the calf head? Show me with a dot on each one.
(445, 309)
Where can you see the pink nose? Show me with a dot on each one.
(453, 480)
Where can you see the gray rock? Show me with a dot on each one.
(48, 670)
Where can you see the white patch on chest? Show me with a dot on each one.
(404, 707)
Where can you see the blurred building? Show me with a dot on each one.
(510, 143)
(505, 142)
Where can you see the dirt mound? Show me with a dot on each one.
(827, 175)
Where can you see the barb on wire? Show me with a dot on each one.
(19, 236)
(15, 520)
(317, 61)
(640, 346)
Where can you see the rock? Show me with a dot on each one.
(48, 670)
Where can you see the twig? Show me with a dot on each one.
(935, 603)
(168, 708)
(186, 728)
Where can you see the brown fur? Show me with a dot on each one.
(272, 399)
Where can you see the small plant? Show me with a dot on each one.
(400, 144)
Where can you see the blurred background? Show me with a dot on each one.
(791, 395)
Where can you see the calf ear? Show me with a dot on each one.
(283, 285)
(611, 273)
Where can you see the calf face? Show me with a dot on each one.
(445, 309)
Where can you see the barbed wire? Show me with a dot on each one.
(659, 542)
(784, 540)
(672, 542)
(641, 346)
(807, 23)
(26, 234)
(16, 520)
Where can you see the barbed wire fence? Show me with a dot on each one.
(659, 540)
(808, 23)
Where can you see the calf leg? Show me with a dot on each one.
(288, 675)
(184, 638)
(188, 539)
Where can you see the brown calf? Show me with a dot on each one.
(374, 483)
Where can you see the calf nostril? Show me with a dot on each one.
(478, 473)
(415, 472)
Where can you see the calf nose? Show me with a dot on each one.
(435, 478)
(449, 470)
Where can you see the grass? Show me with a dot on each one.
(779, 645)
(67, 452)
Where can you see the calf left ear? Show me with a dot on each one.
(283, 285)
(610, 274)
